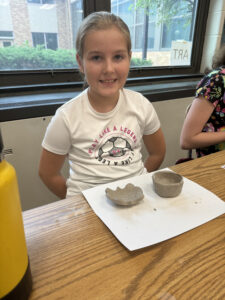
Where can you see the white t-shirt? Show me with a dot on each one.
(101, 147)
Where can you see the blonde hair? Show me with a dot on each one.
(100, 21)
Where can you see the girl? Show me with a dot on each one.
(204, 125)
(101, 130)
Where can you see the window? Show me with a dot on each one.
(6, 38)
(52, 26)
(153, 30)
(76, 17)
(6, 34)
(7, 44)
(47, 40)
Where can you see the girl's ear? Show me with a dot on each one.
(80, 63)
(130, 54)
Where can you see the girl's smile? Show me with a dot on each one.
(105, 64)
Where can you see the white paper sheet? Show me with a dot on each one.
(155, 219)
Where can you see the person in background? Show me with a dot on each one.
(204, 125)
(100, 131)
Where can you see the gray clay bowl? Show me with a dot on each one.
(129, 195)
(167, 184)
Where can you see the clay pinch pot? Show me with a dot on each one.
(129, 195)
(167, 184)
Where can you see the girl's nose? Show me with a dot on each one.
(108, 65)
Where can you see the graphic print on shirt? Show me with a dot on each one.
(114, 146)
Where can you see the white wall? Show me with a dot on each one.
(171, 114)
(214, 31)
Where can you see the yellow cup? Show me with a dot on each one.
(15, 274)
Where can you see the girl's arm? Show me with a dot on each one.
(191, 134)
(49, 171)
(156, 147)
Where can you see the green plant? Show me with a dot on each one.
(138, 62)
(29, 58)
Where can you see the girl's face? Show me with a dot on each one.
(105, 63)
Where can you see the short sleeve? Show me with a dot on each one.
(152, 123)
(211, 87)
(57, 137)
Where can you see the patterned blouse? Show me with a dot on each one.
(212, 88)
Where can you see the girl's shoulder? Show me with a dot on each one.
(217, 72)
(74, 103)
(134, 95)
(137, 102)
(215, 75)
(212, 85)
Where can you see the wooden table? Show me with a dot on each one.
(73, 255)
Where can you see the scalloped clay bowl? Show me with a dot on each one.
(167, 184)
(129, 195)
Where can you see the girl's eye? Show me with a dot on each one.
(96, 58)
(118, 57)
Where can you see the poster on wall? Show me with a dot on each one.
(180, 53)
